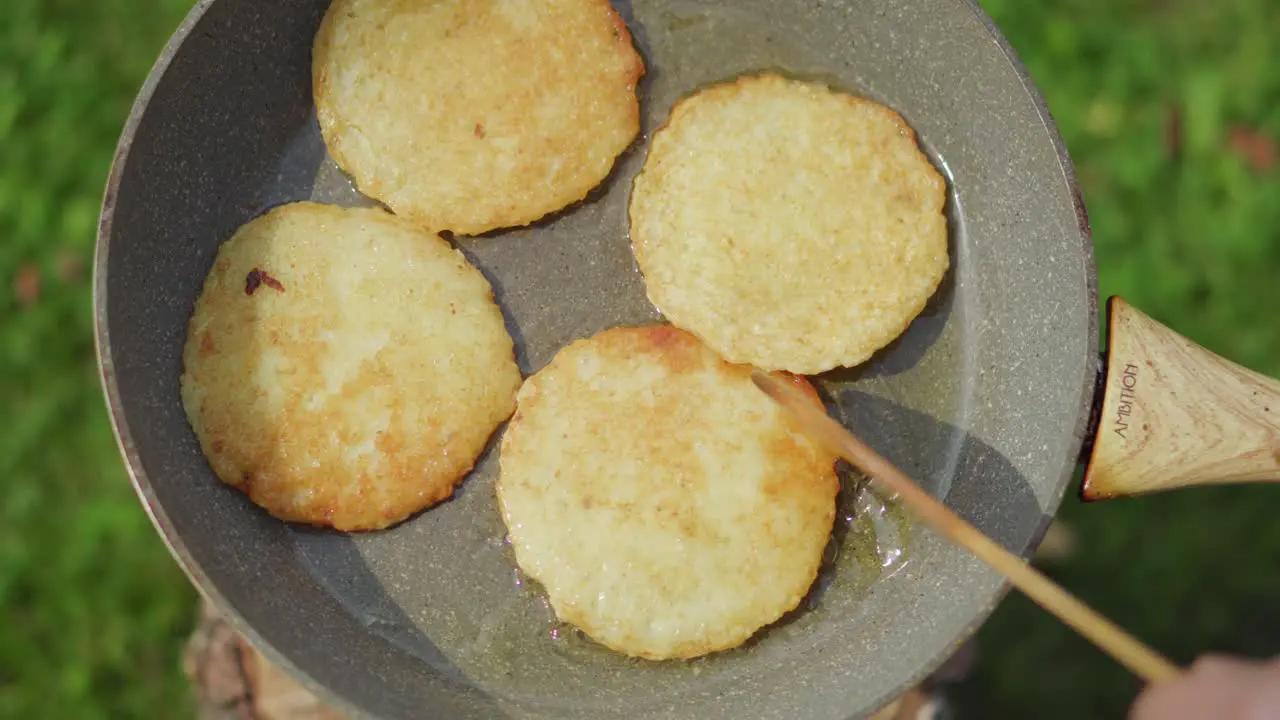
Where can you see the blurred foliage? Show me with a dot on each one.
(1185, 229)
(1171, 109)
(94, 608)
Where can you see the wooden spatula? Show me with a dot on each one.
(1129, 651)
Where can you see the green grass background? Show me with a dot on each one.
(94, 613)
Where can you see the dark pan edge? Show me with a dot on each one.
(1088, 382)
(106, 375)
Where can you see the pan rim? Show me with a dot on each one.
(206, 588)
(138, 478)
(1088, 394)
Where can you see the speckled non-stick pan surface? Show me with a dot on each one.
(984, 399)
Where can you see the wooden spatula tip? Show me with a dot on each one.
(769, 385)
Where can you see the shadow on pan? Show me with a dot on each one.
(519, 627)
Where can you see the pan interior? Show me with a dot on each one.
(981, 399)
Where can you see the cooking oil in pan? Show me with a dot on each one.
(869, 542)
(506, 637)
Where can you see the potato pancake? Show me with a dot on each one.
(669, 508)
(474, 115)
(788, 225)
(343, 367)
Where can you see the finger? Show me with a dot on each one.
(1213, 688)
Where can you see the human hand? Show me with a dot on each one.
(1215, 687)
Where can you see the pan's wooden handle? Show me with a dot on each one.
(1174, 414)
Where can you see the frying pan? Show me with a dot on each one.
(988, 399)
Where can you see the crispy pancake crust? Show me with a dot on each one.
(789, 226)
(472, 115)
(344, 368)
(669, 507)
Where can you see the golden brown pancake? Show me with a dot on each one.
(472, 115)
(788, 225)
(669, 508)
(344, 368)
